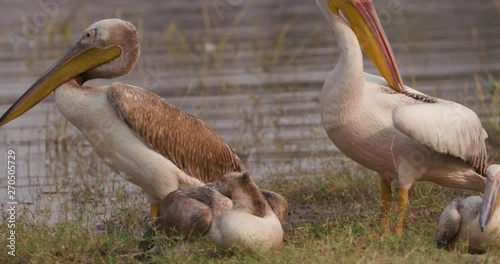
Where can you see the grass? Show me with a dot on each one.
(96, 217)
(333, 219)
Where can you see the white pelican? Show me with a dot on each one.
(190, 212)
(462, 226)
(391, 129)
(148, 141)
(251, 223)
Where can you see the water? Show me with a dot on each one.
(252, 70)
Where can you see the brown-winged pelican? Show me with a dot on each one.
(398, 132)
(148, 141)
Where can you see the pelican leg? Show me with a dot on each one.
(148, 239)
(402, 205)
(386, 197)
(153, 212)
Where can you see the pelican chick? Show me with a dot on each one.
(250, 224)
(460, 224)
(190, 212)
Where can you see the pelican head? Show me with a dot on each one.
(278, 203)
(449, 224)
(458, 227)
(362, 18)
(107, 49)
(240, 188)
(490, 202)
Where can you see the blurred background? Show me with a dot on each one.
(251, 69)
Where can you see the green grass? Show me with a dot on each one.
(333, 219)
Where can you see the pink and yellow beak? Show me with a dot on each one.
(81, 58)
(364, 21)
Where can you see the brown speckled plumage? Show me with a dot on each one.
(182, 138)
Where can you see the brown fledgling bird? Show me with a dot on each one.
(251, 223)
(222, 211)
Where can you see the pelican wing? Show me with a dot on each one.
(445, 127)
(182, 138)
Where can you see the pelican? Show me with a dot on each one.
(140, 136)
(251, 223)
(396, 131)
(190, 212)
(462, 225)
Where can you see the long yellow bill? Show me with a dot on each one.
(81, 58)
(364, 21)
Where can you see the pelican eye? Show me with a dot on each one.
(89, 36)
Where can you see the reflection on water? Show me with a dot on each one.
(253, 72)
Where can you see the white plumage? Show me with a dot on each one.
(402, 135)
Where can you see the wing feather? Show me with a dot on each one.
(445, 127)
(182, 138)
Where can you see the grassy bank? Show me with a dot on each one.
(333, 219)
